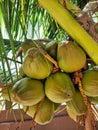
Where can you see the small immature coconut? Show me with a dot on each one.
(51, 49)
(29, 43)
(59, 87)
(90, 83)
(28, 91)
(26, 45)
(70, 57)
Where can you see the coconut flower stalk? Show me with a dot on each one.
(72, 27)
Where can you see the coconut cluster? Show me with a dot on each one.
(43, 91)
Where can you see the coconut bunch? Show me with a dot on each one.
(44, 86)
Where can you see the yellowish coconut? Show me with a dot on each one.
(28, 91)
(59, 87)
(70, 56)
(36, 65)
(90, 83)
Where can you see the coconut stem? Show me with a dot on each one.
(90, 123)
(46, 55)
(80, 120)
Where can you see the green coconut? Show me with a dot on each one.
(77, 104)
(70, 57)
(90, 83)
(28, 91)
(51, 49)
(59, 87)
(44, 113)
(36, 65)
